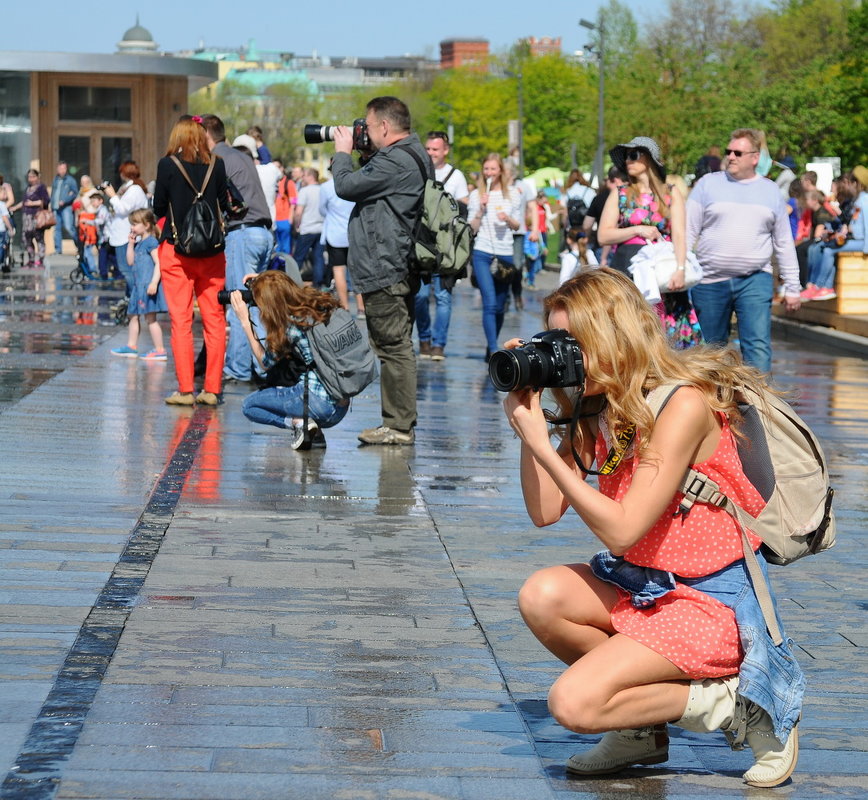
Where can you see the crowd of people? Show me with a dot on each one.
(660, 627)
(294, 213)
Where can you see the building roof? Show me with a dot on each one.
(199, 73)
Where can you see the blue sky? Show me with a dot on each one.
(335, 27)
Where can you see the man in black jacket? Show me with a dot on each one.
(388, 186)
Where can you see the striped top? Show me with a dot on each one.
(734, 227)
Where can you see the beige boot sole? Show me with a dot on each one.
(778, 780)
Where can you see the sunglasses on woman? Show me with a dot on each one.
(634, 155)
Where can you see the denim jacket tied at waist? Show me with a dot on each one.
(768, 675)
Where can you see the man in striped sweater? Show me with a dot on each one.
(736, 220)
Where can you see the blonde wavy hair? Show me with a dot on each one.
(627, 352)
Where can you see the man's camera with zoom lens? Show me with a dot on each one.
(224, 296)
(551, 359)
(317, 134)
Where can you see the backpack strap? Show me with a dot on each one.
(699, 488)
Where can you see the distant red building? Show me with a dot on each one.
(463, 52)
(544, 46)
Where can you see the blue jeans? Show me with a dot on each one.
(89, 261)
(442, 315)
(65, 222)
(821, 261)
(247, 250)
(494, 296)
(750, 297)
(4, 241)
(283, 236)
(768, 675)
(309, 243)
(277, 405)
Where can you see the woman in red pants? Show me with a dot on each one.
(187, 276)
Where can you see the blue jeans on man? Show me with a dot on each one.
(248, 250)
(750, 297)
(442, 312)
(65, 222)
(309, 243)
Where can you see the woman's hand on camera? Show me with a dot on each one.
(239, 307)
(250, 276)
(524, 413)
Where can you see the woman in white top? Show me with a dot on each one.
(131, 195)
(494, 213)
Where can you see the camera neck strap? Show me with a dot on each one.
(617, 451)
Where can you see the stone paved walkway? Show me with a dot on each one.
(189, 609)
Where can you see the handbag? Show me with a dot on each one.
(44, 218)
(502, 271)
(654, 265)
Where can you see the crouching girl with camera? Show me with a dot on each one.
(286, 311)
(663, 626)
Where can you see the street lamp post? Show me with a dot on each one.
(598, 156)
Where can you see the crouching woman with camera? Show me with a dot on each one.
(663, 626)
(287, 310)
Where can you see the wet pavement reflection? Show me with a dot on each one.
(46, 318)
(338, 623)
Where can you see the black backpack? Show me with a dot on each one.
(201, 231)
(577, 209)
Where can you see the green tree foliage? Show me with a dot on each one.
(478, 105)
(796, 69)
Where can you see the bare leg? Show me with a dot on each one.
(133, 332)
(155, 330)
(568, 610)
(340, 275)
(620, 684)
(613, 681)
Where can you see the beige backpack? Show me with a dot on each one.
(784, 461)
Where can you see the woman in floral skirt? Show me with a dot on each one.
(646, 210)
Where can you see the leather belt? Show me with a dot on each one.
(260, 224)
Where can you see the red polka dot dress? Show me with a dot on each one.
(693, 630)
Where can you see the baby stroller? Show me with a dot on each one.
(81, 271)
(7, 258)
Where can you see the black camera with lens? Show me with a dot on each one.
(317, 134)
(224, 296)
(551, 359)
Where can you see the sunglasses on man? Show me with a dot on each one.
(739, 153)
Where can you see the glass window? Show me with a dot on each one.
(15, 129)
(115, 150)
(95, 104)
(75, 151)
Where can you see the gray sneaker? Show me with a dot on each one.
(315, 439)
(386, 435)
